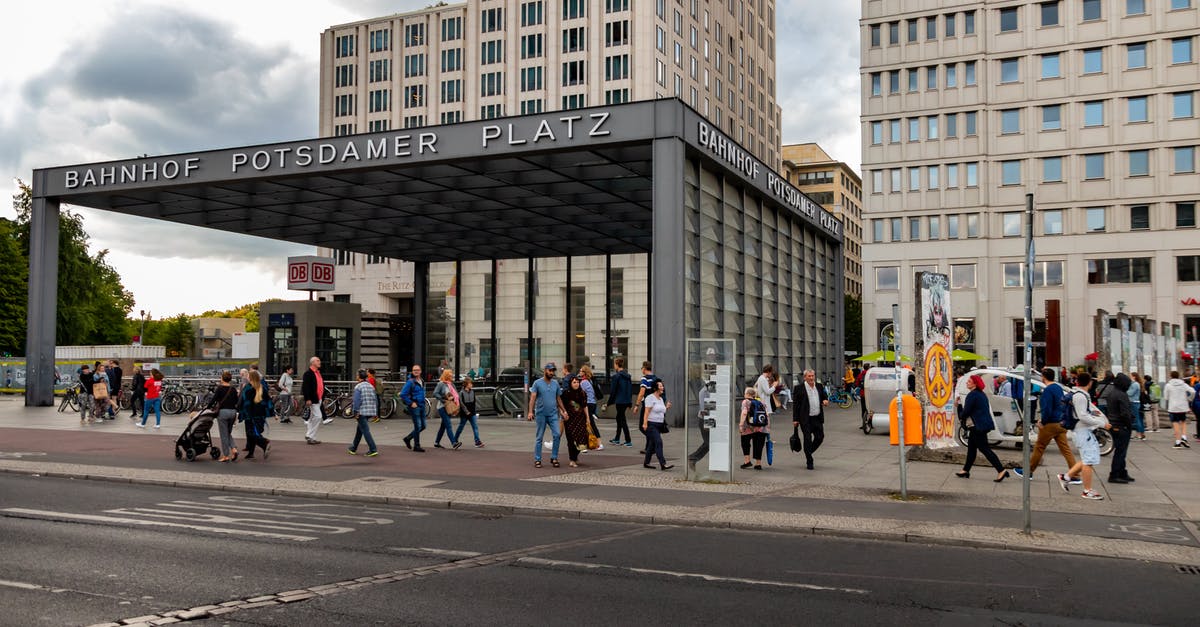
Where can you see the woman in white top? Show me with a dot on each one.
(653, 421)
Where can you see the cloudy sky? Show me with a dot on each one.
(88, 81)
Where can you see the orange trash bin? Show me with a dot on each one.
(913, 419)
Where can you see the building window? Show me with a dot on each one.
(1135, 56)
(931, 28)
(911, 27)
(931, 127)
(1124, 270)
(1010, 121)
(491, 84)
(887, 278)
(491, 20)
(874, 30)
(574, 101)
(343, 76)
(452, 29)
(950, 24)
(876, 133)
(972, 225)
(877, 182)
(1010, 172)
(1093, 113)
(1052, 117)
(1139, 218)
(932, 172)
(414, 35)
(414, 65)
(877, 230)
(575, 39)
(616, 67)
(913, 80)
(935, 227)
(893, 33)
(452, 60)
(1009, 71)
(531, 78)
(914, 129)
(414, 95)
(1180, 4)
(379, 71)
(379, 100)
(1137, 109)
(951, 175)
(1050, 66)
(914, 229)
(532, 13)
(914, 179)
(532, 106)
(969, 73)
(1050, 13)
(1095, 219)
(896, 233)
(952, 227)
(532, 46)
(1091, 10)
(893, 81)
(894, 132)
(1181, 105)
(951, 125)
(1008, 19)
(951, 76)
(970, 122)
(876, 84)
(973, 175)
(962, 276)
(380, 40)
(969, 23)
(1187, 268)
(1181, 50)
(1052, 222)
(452, 91)
(1012, 223)
(1135, 7)
(1052, 170)
(1185, 215)
(344, 46)
(895, 175)
(1185, 159)
(1045, 273)
(1093, 61)
(343, 105)
(573, 73)
(1093, 166)
(616, 33)
(1139, 163)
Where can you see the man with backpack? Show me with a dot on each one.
(1080, 420)
(808, 413)
(1053, 404)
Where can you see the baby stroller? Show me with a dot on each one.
(195, 439)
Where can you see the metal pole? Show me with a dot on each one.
(1028, 390)
(899, 400)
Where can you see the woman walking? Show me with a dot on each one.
(621, 395)
(468, 412)
(575, 425)
(445, 393)
(256, 406)
(653, 423)
(753, 427)
(225, 401)
(591, 391)
(1136, 393)
(154, 386)
(977, 415)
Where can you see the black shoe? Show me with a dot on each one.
(457, 445)
(1117, 480)
(438, 446)
(809, 466)
(667, 467)
(417, 449)
(1128, 479)
(1002, 477)
(648, 466)
(408, 442)
(286, 421)
(758, 466)
(746, 465)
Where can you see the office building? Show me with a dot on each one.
(836, 187)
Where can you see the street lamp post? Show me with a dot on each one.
(142, 331)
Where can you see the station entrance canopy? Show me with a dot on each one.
(602, 180)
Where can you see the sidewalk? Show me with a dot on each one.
(852, 492)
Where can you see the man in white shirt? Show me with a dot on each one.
(808, 413)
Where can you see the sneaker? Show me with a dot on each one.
(1076, 480)
(479, 445)
(157, 426)
(614, 441)
(351, 452)
(142, 425)
(629, 444)
(1092, 495)
(601, 448)
(408, 442)
(373, 454)
(1184, 443)
(1018, 471)
(1177, 444)
(438, 446)
(1065, 482)
(327, 421)
(457, 445)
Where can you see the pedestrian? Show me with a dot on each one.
(1154, 393)
(545, 398)
(1176, 397)
(413, 397)
(654, 423)
(376, 385)
(312, 387)
(1120, 417)
(1085, 440)
(366, 407)
(448, 404)
(621, 395)
(591, 390)
(1053, 406)
(1196, 407)
(154, 387)
(1101, 391)
(809, 401)
(1137, 392)
(568, 374)
(225, 401)
(137, 391)
(86, 381)
(645, 388)
(977, 415)
(101, 394)
(701, 400)
(575, 423)
(764, 389)
(752, 425)
(469, 412)
(255, 408)
(284, 384)
(115, 374)
(243, 380)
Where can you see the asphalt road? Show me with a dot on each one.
(81, 552)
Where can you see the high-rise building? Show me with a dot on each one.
(1089, 105)
(838, 188)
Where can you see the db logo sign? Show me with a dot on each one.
(322, 273)
(310, 273)
(298, 273)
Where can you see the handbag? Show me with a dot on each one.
(451, 408)
(663, 428)
(100, 391)
(794, 442)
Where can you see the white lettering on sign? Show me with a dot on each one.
(348, 151)
(545, 130)
(101, 176)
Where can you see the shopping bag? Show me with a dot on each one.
(770, 450)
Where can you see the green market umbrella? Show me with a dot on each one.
(962, 355)
(882, 356)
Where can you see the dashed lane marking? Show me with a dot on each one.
(48, 515)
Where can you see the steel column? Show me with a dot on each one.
(42, 314)
(666, 284)
(420, 305)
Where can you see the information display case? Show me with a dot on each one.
(708, 411)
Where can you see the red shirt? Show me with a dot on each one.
(320, 383)
(153, 388)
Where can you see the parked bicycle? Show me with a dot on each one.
(841, 396)
(71, 398)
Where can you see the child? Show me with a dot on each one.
(467, 412)
(1085, 441)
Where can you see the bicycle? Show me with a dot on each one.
(71, 399)
(841, 397)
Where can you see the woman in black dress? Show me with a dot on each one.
(574, 399)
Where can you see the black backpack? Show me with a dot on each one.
(757, 416)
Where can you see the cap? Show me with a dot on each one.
(362, 374)
(550, 366)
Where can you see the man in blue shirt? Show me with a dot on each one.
(546, 406)
(413, 397)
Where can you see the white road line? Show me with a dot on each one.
(420, 551)
(216, 519)
(265, 509)
(37, 513)
(27, 586)
(537, 561)
(277, 505)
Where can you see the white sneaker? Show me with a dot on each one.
(1092, 495)
(140, 425)
(548, 446)
(327, 421)
(157, 426)
(601, 448)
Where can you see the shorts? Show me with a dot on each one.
(1178, 417)
(1089, 448)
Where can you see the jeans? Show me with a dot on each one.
(363, 431)
(136, 402)
(977, 441)
(1120, 438)
(418, 418)
(654, 444)
(1047, 432)
(255, 425)
(622, 424)
(446, 428)
(85, 405)
(543, 421)
(225, 420)
(156, 405)
(285, 404)
(462, 422)
(1139, 425)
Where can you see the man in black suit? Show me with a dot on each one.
(808, 413)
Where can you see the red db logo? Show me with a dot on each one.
(322, 273)
(298, 272)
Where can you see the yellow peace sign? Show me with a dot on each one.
(937, 376)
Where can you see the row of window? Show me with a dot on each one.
(912, 28)
(949, 73)
(1181, 50)
(1053, 222)
(1048, 14)
(1121, 270)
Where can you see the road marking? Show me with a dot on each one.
(1153, 531)
(37, 513)
(420, 551)
(218, 519)
(28, 586)
(584, 566)
(19, 455)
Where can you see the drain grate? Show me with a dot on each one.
(1188, 570)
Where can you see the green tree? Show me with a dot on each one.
(173, 333)
(14, 272)
(852, 309)
(92, 302)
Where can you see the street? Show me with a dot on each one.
(80, 552)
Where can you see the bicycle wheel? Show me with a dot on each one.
(846, 401)
(387, 407)
(123, 402)
(172, 403)
(1106, 441)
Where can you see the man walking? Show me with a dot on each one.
(114, 386)
(808, 413)
(1177, 396)
(545, 397)
(366, 407)
(1053, 405)
(86, 381)
(413, 397)
(284, 384)
(312, 386)
(137, 393)
(1089, 447)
